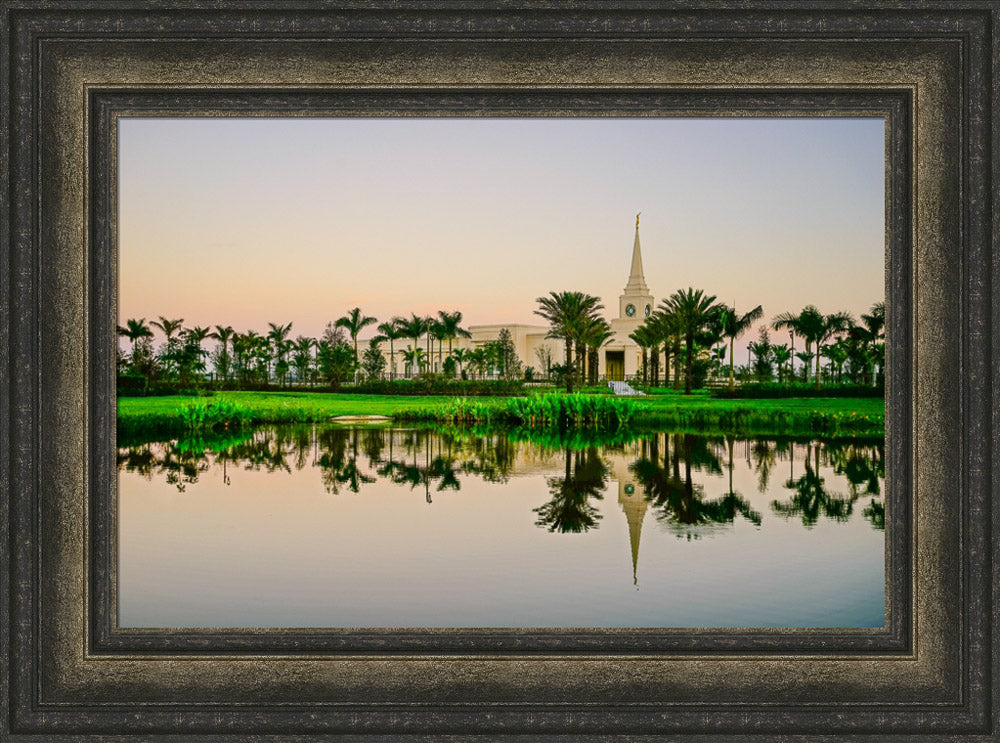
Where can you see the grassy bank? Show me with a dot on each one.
(169, 415)
(695, 413)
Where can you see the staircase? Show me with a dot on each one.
(624, 388)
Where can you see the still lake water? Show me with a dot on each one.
(303, 526)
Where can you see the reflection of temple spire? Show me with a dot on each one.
(635, 508)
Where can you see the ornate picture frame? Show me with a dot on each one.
(71, 68)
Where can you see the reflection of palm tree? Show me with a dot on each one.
(680, 501)
(810, 497)
(570, 509)
(764, 459)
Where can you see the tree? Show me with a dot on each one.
(808, 325)
(221, 357)
(595, 334)
(373, 362)
(190, 356)
(169, 328)
(508, 362)
(391, 332)
(134, 330)
(692, 309)
(461, 355)
(568, 314)
(302, 357)
(354, 322)
(544, 356)
(832, 324)
(733, 326)
(782, 355)
(413, 357)
(276, 337)
(762, 356)
(335, 356)
(413, 328)
(450, 325)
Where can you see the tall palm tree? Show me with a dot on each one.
(436, 332)
(782, 355)
(596, 333)
(169, 328)
(276, 336)
(451, 327)
(224, 335)
(302, 355)
(567, 313)
(644, 338)
(414, 358)
(462, 356)
(808, 325)
(413, 328)
(692, 309)
(391, 332)
(733, 326)
(134, 330)
(354, 322)
(837, 322)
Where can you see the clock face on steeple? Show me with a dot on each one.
(648, 310)
(630, 310)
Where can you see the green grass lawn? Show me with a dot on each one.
(678, 411)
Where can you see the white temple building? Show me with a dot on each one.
(620, 358)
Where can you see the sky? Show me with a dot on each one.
(228, 221)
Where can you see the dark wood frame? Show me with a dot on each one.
(70, 68)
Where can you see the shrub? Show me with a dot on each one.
(796, 389)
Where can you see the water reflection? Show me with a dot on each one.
(752, 520)
(662, 466)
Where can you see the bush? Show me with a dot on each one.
(438, 384)
(796, 389)
(214, 416)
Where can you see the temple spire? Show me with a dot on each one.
(636, 279)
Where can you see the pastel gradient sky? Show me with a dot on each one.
(247, 221)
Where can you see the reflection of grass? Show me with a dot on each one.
(694, 413)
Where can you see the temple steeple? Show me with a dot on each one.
(636, 303)
(636, 280)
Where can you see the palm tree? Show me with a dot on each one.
(567, 313)
(644, 338)
(354, 322)
(478, 359)
(169, 327)
(391, 332)
(302, 356)
(835, 323)
(692, 309)
(436, 331)
(450, 325)
(414, 358)
(735, 325)
(277, 336)
(808, 325)
(596, 333)
(462, 356)
(782, 355)
(224, 335)
(134, 330)
(871, 334)
(413, 328)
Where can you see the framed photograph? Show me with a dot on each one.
(302, 443)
